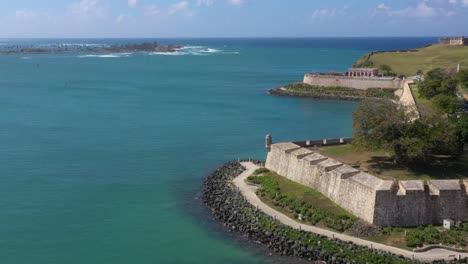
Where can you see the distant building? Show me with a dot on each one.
(363, 72)
(454, 41)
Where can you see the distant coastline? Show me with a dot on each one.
(83, 48)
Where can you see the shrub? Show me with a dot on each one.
(261, 171)
(447, 103)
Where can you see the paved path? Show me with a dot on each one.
(249, 192)
(407, 98)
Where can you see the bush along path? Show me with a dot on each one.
(238, 216)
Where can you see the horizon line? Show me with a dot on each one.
(246, 37)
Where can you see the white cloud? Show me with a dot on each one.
(152, 10)
(422, 9)
(206, 3)
(237, 2)
(383, 7)
(24, 14)
(119, 19)
(464, 3)
(132, 3)
(87, 8)
(322, 13)
(177, 7)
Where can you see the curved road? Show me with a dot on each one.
(249, 192)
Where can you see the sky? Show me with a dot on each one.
(231, 18)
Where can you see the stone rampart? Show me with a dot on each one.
(363, 83)
(377, 201)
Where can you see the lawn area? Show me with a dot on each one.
(425, 59)
(381, 165)
(293, 199)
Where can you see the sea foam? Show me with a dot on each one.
(115, 55)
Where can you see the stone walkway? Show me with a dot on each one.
(407, 98)
(249, 192)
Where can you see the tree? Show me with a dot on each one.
(411, 150)
(437, 81)
(378, 122)
(448, 86)
(446, 103)
(386, 70)
(440, 131)
(462, 78)
(389, 126)
(463, 128)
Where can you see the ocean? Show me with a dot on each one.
(102, 156)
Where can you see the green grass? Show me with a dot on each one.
(293, 199)
(409, 238)
(380, 164)
(425, 59)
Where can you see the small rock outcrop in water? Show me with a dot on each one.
(239, 216)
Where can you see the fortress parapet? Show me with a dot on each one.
(377, 201)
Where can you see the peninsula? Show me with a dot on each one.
(416, 61)
(81, 48)
(380, 74)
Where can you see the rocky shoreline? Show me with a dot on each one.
(238, 216)
(281, 91)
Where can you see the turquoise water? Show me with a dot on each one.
(102, 157)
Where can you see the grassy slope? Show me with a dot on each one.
(300, 193)
(308, 195)
(380, 164)
(425, 59)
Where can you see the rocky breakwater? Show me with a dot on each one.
(287, 92)
(332, 92)
(239, 216)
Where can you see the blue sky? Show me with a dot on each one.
(231, 18)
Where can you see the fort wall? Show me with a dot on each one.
(454, 41)
(363, 83)
(377, 201)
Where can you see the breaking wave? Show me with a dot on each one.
(195, 51)
(114, 55)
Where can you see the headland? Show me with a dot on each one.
(380, 74)
(81, 48)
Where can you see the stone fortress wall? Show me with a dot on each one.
(454, 41)
(377, 201)
(335, 80)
